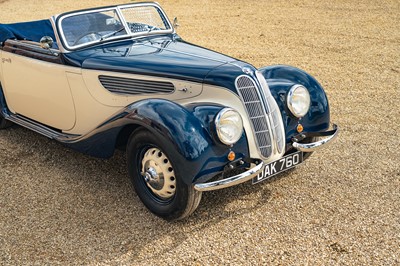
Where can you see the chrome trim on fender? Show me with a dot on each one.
(231, 181)
(310, 147)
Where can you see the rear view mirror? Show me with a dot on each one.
(175, 24)
(46, 42)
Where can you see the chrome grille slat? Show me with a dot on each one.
(252, 101)
(135, 86)
(133, 81)
(264, 115)
(135, 90)
(128, 85)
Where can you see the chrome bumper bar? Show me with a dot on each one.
(231, 181)
(253, 172)
(310, 147)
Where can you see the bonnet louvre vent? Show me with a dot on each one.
(135, 86)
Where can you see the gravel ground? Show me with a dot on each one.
(341, 207)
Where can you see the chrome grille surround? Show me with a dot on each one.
(121, 85)
(264, 114)
(278, 129)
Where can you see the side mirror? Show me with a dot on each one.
(175, 24)
(46, 42)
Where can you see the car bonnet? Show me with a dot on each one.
(164, 56)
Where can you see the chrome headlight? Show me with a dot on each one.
(298, 100)
(229, 126)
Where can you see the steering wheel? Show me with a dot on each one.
(140, 27)
(91, 36)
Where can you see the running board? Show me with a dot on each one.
(37, 127)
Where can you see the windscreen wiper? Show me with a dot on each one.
(111, 34)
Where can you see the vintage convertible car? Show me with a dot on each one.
(190, 119)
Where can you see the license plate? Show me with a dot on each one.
(279, 166)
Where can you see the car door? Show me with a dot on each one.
(36, 85)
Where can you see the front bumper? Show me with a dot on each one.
(231, 181)
(253, 172)
(313, 146)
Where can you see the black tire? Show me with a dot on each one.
(4, 123)
(164, 193)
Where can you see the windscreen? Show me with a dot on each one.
(87, 27)
(144, 19)
(90, 27)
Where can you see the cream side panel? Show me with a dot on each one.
(38, 90)
(223, 96)
(2, 81)
(102, 95)
(89, 112)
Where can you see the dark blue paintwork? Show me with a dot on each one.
(225, 75)
(280, 79)
(166, 56)
(185, 130)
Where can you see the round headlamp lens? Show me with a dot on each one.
(229, 126)
(298, 100)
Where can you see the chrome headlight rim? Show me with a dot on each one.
(289, 100)
(217, 123)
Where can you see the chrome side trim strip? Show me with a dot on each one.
(310, 147)
(37, 127)
(231, 181)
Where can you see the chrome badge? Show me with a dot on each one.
(247, 70)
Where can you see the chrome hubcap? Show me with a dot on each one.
(158, 173)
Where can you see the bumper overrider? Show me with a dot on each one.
(329, 136)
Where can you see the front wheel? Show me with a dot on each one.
(157, 179)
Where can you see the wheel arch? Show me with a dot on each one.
(187, 130)
(124, 134)
(280, 79)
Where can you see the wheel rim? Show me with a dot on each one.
(158, 173)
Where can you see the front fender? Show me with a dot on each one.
(172, 122)
(280, 79)
(188, 130)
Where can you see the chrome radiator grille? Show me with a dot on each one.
(257, 113)
(277, 130)
(135, 86)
